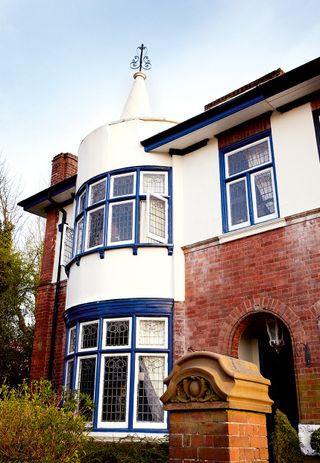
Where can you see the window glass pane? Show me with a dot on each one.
(150, 388)
(69, 374)
(89, 335)
(82, 201)
(95, 230)
(144, 238)
(123, 185)
(72, 340)
(249, 157)
(154, 183)
(68, 239)
(121, 222)
(98, 192)
(79, 236)
(117, 333)
(157, 217)
(238, 202)
(115, 389)
(264, 193)
(87, 370)
(152, 333)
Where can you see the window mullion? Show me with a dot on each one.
(132, 389)
(137, 212)
(249, 197)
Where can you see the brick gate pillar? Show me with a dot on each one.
(218, 407)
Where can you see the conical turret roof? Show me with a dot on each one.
(138, 104)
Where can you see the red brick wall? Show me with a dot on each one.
(64, 165)
(277, 272)
(210, 436)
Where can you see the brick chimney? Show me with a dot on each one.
(64, 165)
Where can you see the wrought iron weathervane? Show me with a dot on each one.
(141, 60)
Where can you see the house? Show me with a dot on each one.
(164, 238)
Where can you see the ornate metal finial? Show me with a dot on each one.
(141, 60)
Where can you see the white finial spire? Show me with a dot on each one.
(138, 104)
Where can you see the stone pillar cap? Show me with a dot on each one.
(203, 378)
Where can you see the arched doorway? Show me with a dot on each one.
(277, 366)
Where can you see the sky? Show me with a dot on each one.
(65, 64)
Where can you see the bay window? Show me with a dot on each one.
(130, 354)
(128, 207)
(248, 184)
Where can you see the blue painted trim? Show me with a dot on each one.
(106, 203)
(204, 123)
(118, 308)
(316, 122)
(131, 351)
(247, 175)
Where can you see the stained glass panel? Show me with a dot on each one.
(89, 335)
(264, 193)
(152, 332)
(96, 226)
(154, 183)
(114, 405)
(150, 388)
(238, 202)
(251, 156)
(98, 192)
(121, 222)
(117, 332)
(123, 185)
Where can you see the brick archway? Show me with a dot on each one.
(239, 318)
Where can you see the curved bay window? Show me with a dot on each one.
(127, 207)
(121, 364)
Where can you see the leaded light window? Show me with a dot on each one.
(69, 374)
(98, 192)
(79, 236)
(72, 340)
(117, 333)
(149, 388)
(249, 185)
(152, 332)
(115, 379)
(89, 335)
(95, 228)
(122, 185)
(124, 209)
(121, 220)
(130, 354)
(68, 240)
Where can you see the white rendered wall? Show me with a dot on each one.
(117, 145)
(202, 198)
(121, 275)
(296, 160)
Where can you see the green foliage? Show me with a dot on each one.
(315, 440)
(19, 275)
(128, 450)
(286, 447)
(36, 427)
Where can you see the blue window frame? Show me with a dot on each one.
(248, 183)
(316, 120)
(126, 207)
(121, 362)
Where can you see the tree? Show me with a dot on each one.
(20, 254)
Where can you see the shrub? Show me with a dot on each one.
(286, 447)
(129, 450)
(35, 426)
(315, 440)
